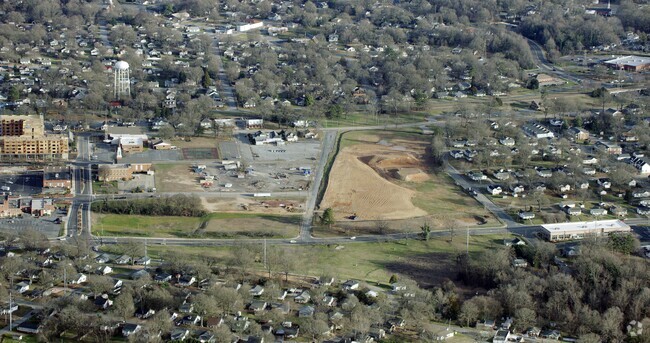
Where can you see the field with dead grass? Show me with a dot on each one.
(176, 178)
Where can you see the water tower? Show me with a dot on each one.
(122, 85)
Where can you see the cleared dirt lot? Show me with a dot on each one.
(253, 205)
(176, 178)
(368, 180)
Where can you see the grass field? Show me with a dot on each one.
(214, 225)
(427, 262)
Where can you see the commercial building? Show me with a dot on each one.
(538, 131)
(250, 25)
(24, 138)
(629, 63)
(57, 177)
(113, 172)
(580, 230)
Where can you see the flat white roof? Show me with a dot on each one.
(609, 225)
(630, 60)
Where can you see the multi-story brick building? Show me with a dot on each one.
(57, 177)
(24, 138)
(113, 172)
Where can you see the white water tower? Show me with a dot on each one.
(122, 85)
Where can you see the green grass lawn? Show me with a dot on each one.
(429, 261)
(214, 225)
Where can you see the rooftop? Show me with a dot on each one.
(609, 225)
(630, 60)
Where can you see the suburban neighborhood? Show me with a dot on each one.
(273, 171)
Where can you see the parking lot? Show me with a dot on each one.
(46, 225)
(21, 184)
(262, 168)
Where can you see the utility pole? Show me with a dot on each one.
(467, 243)
(11, 316)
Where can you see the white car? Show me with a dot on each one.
(353, 237)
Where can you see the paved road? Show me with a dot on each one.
(228, 93)
(546, 66)
(501, 214)
(307, 219)
(527, 231)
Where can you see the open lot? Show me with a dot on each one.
(176, 178)
(261, 168)
(253, 205)
(381, 179)
(428, 262)
(214, 225)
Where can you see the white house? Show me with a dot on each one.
(78, 279)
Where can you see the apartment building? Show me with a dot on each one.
(24, 138)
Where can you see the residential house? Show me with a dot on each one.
(162, 277)
(501, 336)
(598, 212)
(306, 311)
(128, 329)
(609, 147)
(507, 141)
(494, 189)
(144, 313)
(186, 281)
(578, 134)
(103, 302)
(350, 285)
(104, 270)
(21, 287)
(206, 337)
(179, 334)
(257, 306)
(78, 279)
(257, 291)
(541, 172)
(303, 298)
(573, 211)
(640, 164)
(526, 215)
(103, 258)
(501, 175)
(191, 320)
(476, 176)
(143, 261)
(186, 307)
(124, 259)
(519, 263)
(618, 211)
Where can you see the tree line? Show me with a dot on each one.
(175, 205)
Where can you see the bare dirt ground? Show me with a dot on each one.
(249, 205)
(360, 181)
(368, 180)
(176, 178)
